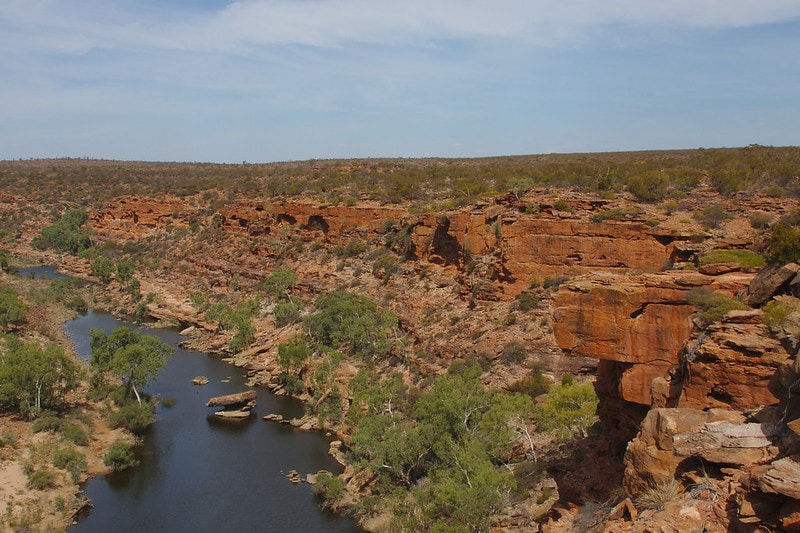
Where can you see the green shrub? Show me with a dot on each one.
(670, 207)
(132, 416)
(77, 303)
(618, 213)
(279, 283)
(554, 282)
(713, 305)
(776, 314)
(330, 487)
(286, 313)
(8, 438)
(351, 249)
(561, 205)
(120, 456)
(514, 353)
(47, 422)
(784, 245)
(385, 266)
(527, 301)
(12, 308)
(291, 383)
(567, 409)
(75, 434)
(71, 460)
(775, 191)
(761, 220)
(199, 300)
(648, 187)
(65, 234)
(42, 479)
(533, 386)
(726, 182)
(713, 215)
(103, 267)
(746, 258)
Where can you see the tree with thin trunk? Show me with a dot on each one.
(130, 355)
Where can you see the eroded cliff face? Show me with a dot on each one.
(709, 405)
(519, 245)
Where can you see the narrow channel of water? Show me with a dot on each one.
(200, 473)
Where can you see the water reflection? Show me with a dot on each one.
(199, 472)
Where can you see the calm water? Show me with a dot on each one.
(39, 272)
(199, 473)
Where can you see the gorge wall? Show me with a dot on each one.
(519, 245)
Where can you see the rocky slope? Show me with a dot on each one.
(455, 279)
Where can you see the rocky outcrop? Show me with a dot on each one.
(519, 244)
(769, 282)
(233, 400)
(734, 364)
(669, 437)
(636, 325)
(236, 406)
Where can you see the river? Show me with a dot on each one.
(201, 473)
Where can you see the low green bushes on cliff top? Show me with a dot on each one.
(746, 258)
(713, 305)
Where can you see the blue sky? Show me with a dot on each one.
(274, 80)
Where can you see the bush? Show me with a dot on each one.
(71, 460)
(514, 352)
(527, 301)
(75, 434)
(554, 282)
(330, 487)
(77, 303)
(713, 215)
(776, 314)
(103, 267)
(120, 456)
(286, 313)
(618, 213)
(670, 207)
(291, 383)
(533, 386)
(784, 245)
(746, 258)
(726, 183)
(648, 187)
(761, 220)
(775, 191)
(279, 283)
(12, 309)
(132, 416)
(351, 249)
(567, 409)
(657, 495)
(65, 234)
(42, 479)
(561, 205)
(713, 305)
(47, 422)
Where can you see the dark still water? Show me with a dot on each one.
(200, 473)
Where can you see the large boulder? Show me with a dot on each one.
(769, 282)
(670, 436)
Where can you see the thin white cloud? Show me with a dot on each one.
(247, 25)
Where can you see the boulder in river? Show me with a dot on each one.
(230, 400)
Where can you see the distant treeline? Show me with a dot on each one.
(434, 182)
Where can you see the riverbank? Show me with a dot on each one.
(51, 506)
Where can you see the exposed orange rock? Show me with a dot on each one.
(523, 246)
